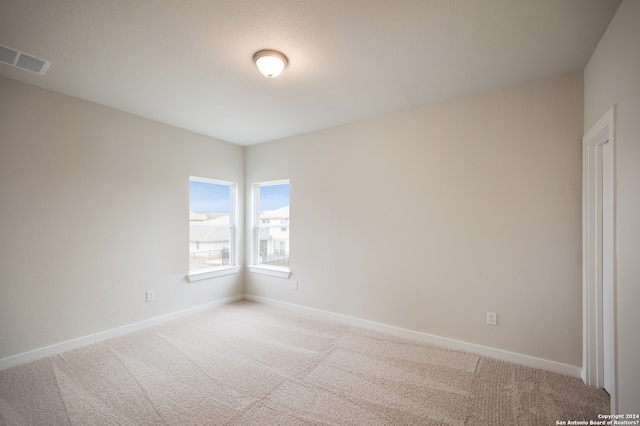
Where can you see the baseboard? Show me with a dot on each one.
(108, 334)
(486, 351)
(397, 331)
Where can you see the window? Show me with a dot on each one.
(271, 227)
(212, 218)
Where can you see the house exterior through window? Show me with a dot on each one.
(271, 230)
(212, 233)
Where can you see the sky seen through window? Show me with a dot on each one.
(205, 197)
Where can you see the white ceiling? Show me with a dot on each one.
(189, 63)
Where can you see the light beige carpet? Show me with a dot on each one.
(253, 364)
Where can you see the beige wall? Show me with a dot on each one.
(425, 219)
(94, 212)
(429, 218)
(612, 77)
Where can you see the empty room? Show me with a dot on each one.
(367, 212)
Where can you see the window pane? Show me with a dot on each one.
(273, 234)
(205, 197)
(210, 225)
(209, 246)
(272, 199)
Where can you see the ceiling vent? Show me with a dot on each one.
(22, 60)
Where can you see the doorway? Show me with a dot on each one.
(598, 218)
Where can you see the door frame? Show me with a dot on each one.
(598, 159)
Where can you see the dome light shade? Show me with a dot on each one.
(270, 63)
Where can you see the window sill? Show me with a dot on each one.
(212, 273)
(270, 270)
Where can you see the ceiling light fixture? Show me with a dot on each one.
(270, 63)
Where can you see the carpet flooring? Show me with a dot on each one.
(252, 364)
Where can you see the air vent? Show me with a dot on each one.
(22, 60)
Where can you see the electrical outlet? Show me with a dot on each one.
(492, 318)
(151, 296)
(294, 285)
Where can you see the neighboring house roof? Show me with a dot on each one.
(202, 216)
(204, 234)
(197, 216)
(208, 227)
(281, 213)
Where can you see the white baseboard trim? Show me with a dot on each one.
(108, 334)
(459, 345)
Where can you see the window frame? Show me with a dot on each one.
(232, 267)
(257, 224)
